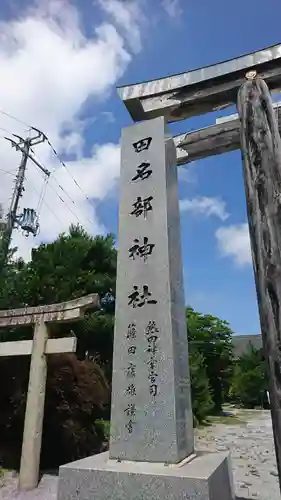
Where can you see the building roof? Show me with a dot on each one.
(241, 343)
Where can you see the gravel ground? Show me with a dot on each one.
(47, 489)
(253, 460)
(252, 453)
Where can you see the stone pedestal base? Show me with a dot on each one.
(206, 476)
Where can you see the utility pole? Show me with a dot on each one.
(23, 145)
(17, 193)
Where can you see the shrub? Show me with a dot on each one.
(202, 403)
(249, 379)
(77, 394)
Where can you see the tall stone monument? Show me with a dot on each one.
(151, 452)
(151, 407)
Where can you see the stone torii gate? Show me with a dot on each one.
(42, 317)
(247, 82)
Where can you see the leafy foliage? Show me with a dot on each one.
(77, 391)
(202, 403)
(72, 266)
(77, 394)
(211, 336)
(249, 381)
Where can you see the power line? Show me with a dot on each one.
(17, 119)
(65, 192)
(54, 152)
(45, 203)
(8, 172)
(6, 131)
(69, 208)
(30, 127)
(87, 198)
(64, 166)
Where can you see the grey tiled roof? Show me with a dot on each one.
(241, 343)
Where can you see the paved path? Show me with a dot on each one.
(252, 452)
(47, 489)
(253, 460)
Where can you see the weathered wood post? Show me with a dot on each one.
(261, 153)
(39, 348)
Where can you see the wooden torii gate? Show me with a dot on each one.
(42, 317)
(247, 82)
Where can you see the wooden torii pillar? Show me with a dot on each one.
(247, 82)
(39, 347)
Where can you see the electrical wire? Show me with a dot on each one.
(42, 194)
(63, 190)
(65, 167)
(54, 152)
(69, 208)
(17, 119)
(87, 198)
(43, 191)
(30, 127)
(45, 203)
(7, 172)
(6, 131)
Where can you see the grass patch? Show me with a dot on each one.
(104, 425)
(226, 420)
(2, 474)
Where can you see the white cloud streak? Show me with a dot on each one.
(127, 15)
(234, 242)
(172, 7)
(205, 206)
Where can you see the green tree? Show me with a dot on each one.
(249, 381)
(202, 403)
(78, 394)
(212, 337)
(75, 264)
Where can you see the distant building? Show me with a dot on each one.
(241, 343)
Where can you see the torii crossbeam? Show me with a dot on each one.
(202, 90)
(222, 137)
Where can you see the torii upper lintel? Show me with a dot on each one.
(201, 90)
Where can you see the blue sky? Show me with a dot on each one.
(204, 34)
(160, 41)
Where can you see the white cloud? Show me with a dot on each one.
(188, 173)
(205, 206)
(127, 15)
(172, 7)
(234, 242)
(109, 116)
(49, 69)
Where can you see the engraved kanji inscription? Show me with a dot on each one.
(151, 332)
(131, 390)
(141, 249)
(143, 172)
(151, 328)
(152, 344)
(142, 144)
(131, 331)
(130, 411)
(153, 390)
(129, 426)
(131, 370)
(139, 298)
(142, 206)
